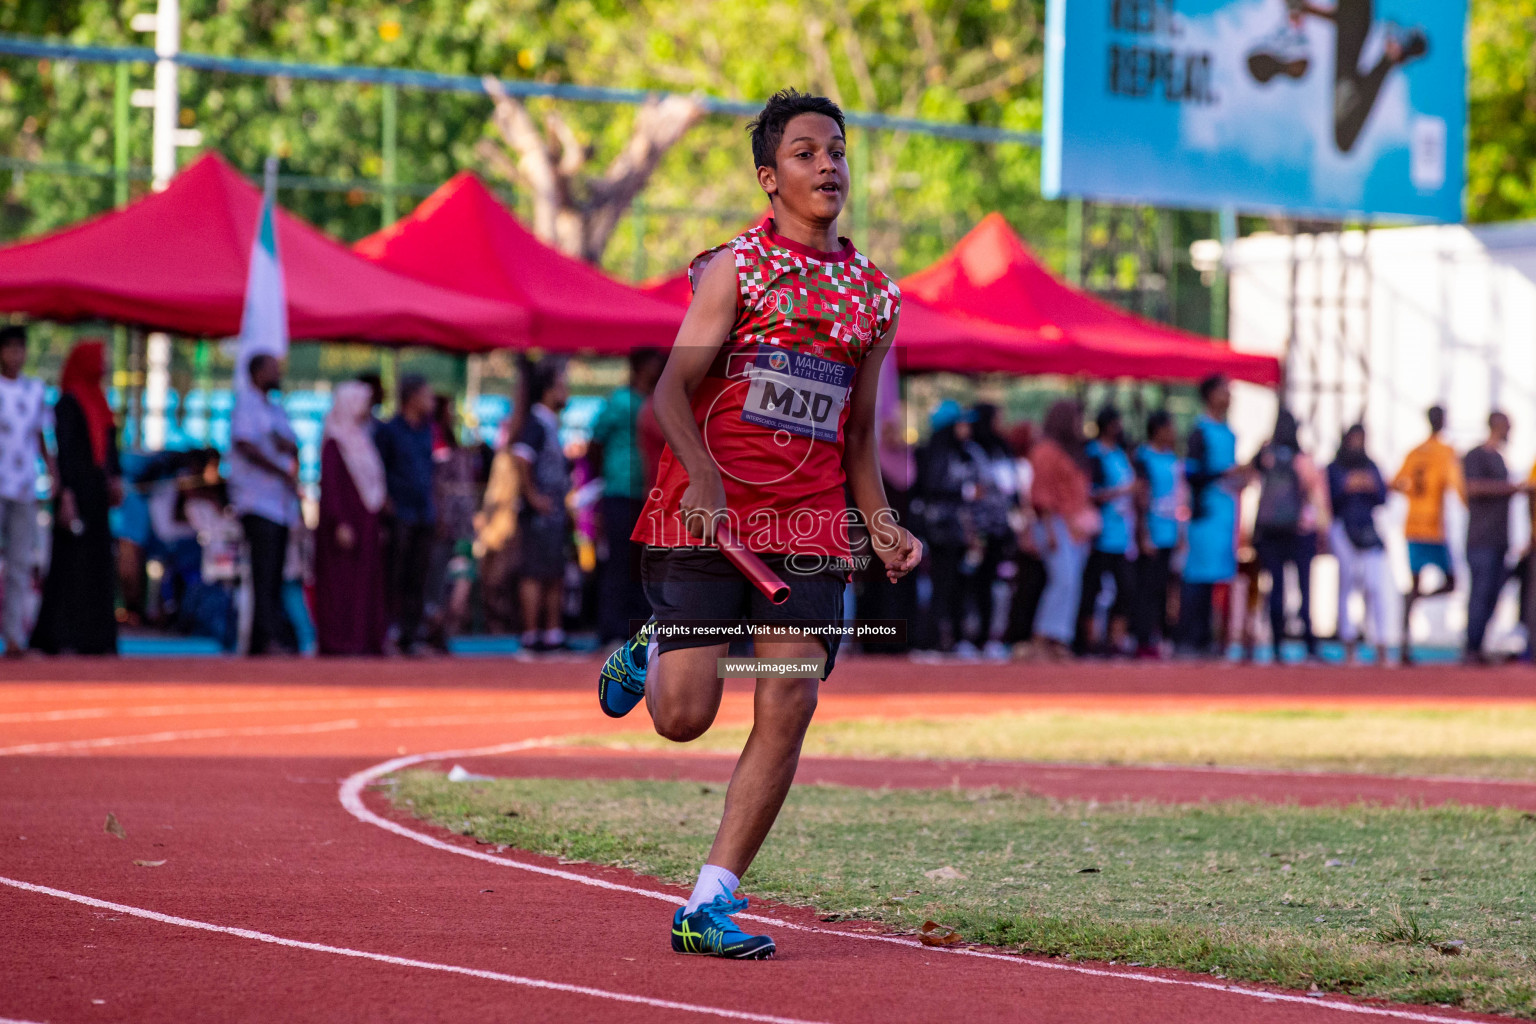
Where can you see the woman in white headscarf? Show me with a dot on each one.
(350, 616)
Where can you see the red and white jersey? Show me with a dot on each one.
(772, 407)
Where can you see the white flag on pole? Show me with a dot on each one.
(264, 325)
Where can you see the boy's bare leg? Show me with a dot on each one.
(682, 691)
(781, 713)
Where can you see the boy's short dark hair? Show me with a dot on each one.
(1107, 415)
(1436, 417)
(767, 128)
(13, 334)
(1210, 384)
(1157, 421)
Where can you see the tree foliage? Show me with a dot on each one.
(573, 209)
(1501, 166)
(973, 61)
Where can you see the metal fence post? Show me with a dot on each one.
(121, 96)
(1075, 241)
(1226, 230)
(389, 176)
(389, 364)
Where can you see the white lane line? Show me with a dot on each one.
(14, 1020)
(340, 725)
(399, 961)
(433, 700)
(492, 718)
(351, 796)
(59, 746)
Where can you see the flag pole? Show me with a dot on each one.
(269, 181)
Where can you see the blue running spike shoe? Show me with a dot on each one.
(709, 931)
(621, 684)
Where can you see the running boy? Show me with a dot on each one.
(768, 406)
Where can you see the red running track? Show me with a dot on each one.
(344, 921)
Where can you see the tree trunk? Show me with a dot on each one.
(575, 212)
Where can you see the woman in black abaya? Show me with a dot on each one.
(78, 613)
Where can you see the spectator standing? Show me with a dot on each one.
(497, 544)
(458, 477)
(350, 617)
(1030, 579)
(877, 597)
(263, 488)
(78, 613)
(1215, 479)
(375, 384)
(994, 514)
(1429, 473)
(1356, 490)
(1160, 473)
(1068, 524)
(544, 523)
(1293, 507)
(949, 482)
(614, 452)
(1113, 553)
(298, 580)
(1488, 492)
(405, 449)
(650, 440)
(24, 417)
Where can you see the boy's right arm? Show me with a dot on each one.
(709, 320)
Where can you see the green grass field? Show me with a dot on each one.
(1495, 742)
(1365, 900)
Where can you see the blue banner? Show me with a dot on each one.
(1333, 108)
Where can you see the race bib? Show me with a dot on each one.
(798, 393)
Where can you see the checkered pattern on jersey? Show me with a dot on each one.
(834, 309)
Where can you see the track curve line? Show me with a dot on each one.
(351, 790)
(400, 961)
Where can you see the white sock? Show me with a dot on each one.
(652, 652)
(712, 882)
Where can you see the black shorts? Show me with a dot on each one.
(700, 584)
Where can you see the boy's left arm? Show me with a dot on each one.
(897, 547)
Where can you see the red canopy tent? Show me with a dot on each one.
(461, 237)
(929, 340)
(676, 289)
(991, 275)
(177, 261)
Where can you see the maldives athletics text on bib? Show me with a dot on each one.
(772, 409)
(799, 393)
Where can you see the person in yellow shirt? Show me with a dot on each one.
(1429, 472)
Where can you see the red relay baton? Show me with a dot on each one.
(750, 566)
